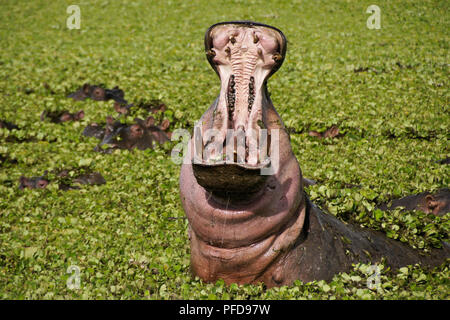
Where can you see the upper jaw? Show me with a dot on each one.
(233, 134)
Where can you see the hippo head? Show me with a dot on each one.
(242, 192)
(235, 141)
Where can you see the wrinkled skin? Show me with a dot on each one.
(142, 134)
(245, 227)
(62, 116)
(437, 203)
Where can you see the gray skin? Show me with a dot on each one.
(245, 227)
(8, 125)
(98, 93)
(62, 116)
(33, 182)
(142, 134)
(41, 182)
(437, 203)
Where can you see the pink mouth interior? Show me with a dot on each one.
(244, 56)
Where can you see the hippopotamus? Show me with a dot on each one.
(332, 132)
(142, 134)
(8, 125)
(98, 93)
(154, 106)
(250, 220)
(40, 182)
(437, 203)
(65, 180)
(62, 116)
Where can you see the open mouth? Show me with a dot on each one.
(233, 144)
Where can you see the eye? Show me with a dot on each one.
(211, 53)
(98, 92)
(232, 39)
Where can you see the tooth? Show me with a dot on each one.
(240, 144)
(252, 147)
(263, 144)
(198, 145)
(229, 146)
(212, 149)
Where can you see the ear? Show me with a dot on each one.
(42, 183)
(165, 124)
(86, 88)
(150, 121)
(431, 202)
(79, 115)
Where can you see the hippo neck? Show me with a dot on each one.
(343, 245)
(247, 263)
(227, 237)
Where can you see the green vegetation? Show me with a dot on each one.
(123, 235)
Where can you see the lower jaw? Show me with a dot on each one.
(231, 169)
(230, 180)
